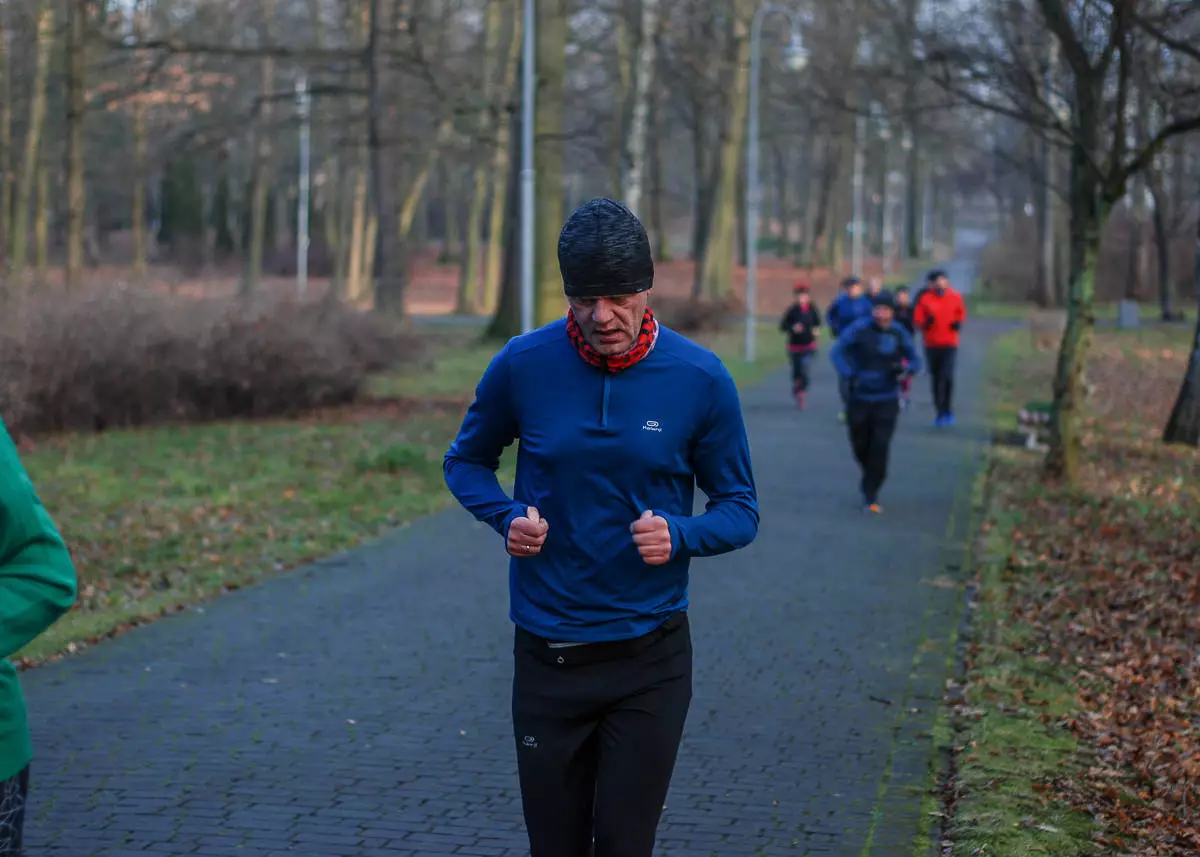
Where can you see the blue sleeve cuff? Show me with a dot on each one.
(516, 512)
(676, 532)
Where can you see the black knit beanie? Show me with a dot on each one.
(603, 250)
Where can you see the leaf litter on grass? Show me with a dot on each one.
(1101, 589)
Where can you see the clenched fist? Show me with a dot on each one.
(652, 537)
(527, 534)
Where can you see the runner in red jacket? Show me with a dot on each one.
(939, 315)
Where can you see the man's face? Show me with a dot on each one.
(855, 291)
(940, 284)
(611, 325)
(883, 315)
(802, 299)
(875, 285)
(902, 298)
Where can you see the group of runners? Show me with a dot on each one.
(875, 357)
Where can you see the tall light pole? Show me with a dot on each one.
(906, 143)
(303, 103)
(797, 59)
(860, 133)
(528, 93)
(885, 134)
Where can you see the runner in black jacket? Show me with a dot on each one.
(802, 324)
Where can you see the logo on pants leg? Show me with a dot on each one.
(530, 742)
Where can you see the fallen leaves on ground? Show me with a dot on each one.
(1106, 579)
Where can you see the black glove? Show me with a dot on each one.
(956, 325)
(928, 323)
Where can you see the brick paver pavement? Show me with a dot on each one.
(361, 706)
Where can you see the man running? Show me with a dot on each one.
(848, 307)
(619, 419)
(802, 324)
(939, 315)
(873, 354)
(37, 586)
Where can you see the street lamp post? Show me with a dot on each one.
(303, 102)
(885, 135)
(906, 143)
(860, 133)
(527, 178)
(797, 59)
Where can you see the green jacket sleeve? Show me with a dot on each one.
(37, 575)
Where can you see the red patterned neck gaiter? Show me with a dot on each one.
(642, 346)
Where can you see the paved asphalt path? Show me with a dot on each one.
(361, 706)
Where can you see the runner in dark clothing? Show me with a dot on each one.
(847, 308)
(619, 420)
(873, 354)
(802, 324)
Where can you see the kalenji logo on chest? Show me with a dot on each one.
(651, 425)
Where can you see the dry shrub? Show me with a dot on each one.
(126, 358)
(698, 315)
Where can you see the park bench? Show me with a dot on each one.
(1033, 423)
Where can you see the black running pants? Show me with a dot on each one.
(872, 425)
(597, 730)
(941, 372)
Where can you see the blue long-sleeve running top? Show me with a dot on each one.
(596, 450)
(873, 358)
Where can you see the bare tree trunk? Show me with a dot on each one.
(259, 194)
(716, 277)
(468, 275)
(33, 138)
(77, 12)
(658, 190)
(624, 46)
(355, 251)
(646, 54)
(412, 201)
(1183, 426)
(6, 141)
(138, 218)
(41, 224)
(252, 275)
(506, 322)
(389, 294)
(781, 204)
(814, 183)
(356, 247)
(500, 167)
(1063, 459)
(1139, 260)
(335, 209)
(1162, 245)
(548, 154)
(703, 180)
(451, 185)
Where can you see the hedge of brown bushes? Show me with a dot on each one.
(126, 358)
